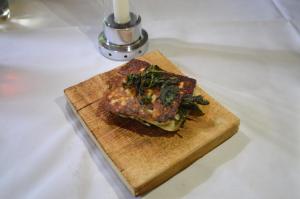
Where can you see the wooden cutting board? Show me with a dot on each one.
(144, 157)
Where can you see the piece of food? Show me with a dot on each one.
(147, 93)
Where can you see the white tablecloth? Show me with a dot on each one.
(246, 54)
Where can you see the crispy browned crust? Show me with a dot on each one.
(123, 101)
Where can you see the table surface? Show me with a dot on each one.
(246, 54)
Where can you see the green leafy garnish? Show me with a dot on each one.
(132, 79)
(154, 77)
(183, 113)
(190, 100)
(168, 94)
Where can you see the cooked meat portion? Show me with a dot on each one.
(149, 94)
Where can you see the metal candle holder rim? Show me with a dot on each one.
(123, 42)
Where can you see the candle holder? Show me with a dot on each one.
(4, 10)
(123, 42)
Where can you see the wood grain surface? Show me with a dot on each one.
(144, 157)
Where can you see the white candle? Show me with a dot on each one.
(121, 11)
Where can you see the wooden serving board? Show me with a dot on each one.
(144, 157)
